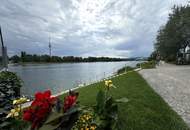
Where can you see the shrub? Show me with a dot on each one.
(147, 65)
(10, 83)
(125, 69)
(10, 86)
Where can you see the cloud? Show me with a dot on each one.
(117, 28)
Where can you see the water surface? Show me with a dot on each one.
(59, 77)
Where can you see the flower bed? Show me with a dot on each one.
(48, 112)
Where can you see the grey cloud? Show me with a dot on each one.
(81, 28)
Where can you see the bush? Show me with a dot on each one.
(122, 70)
(10, 86)
(147, 65)
(10, 81)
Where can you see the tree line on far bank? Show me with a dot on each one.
(174, 35)
(24, 57)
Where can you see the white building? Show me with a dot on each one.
(187, 53)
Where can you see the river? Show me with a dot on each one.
(63, 76)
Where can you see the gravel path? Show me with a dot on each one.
(173, 84)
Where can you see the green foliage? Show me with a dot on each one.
(46, 58)
(10, 84)
(122, 100)
(10, 77)
(106, 112)
(100, 99)
(15, 59)
(147, 65)
(60, 120)
(174, 34)
(125, 69)
(153, 56)
(12, 124)
(9, 89)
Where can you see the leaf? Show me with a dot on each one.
(53, 117)
(109, 102)
(113, 111)
(100, 99)
(122, 100)
(4, 124)
(72, 110)
(49, 127)
(69, 113)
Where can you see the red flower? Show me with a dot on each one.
(38, 96)
(40, 108)
(27, 116)
(70, 100)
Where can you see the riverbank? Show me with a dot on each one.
(146, 110)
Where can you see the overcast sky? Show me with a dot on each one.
(115, 28)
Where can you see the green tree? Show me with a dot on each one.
(15, 59)
(23, 56)
(174, 34)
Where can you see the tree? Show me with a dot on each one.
(56, 59)
(15, 59)
(23, 56)
(174, 34)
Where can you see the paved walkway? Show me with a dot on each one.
(173, 84)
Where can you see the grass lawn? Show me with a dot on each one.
(147, 65)
(145, 110)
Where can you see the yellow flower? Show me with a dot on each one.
(20, 101)
(14, 113)
(93, 127)
(108, 84)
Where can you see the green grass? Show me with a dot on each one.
(146, 110)
(147, 65)
(125, 69)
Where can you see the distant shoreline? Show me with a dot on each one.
(34, 58)
(26, 63)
